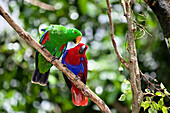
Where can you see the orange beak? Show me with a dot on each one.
(78, 39)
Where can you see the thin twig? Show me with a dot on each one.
(41, 5)
(124, 7)
(148, 94)
(149, 76)
(112, 36)
(78, 83)
(153, 84)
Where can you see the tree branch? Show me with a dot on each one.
(133, 65)
(133, 62)
(113, 37)
(143, 75)
(124, 8)
(78, 83)
(41, 5)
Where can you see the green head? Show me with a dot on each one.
(74, 35)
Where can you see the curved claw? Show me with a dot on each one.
(54, 57)
(64, 65)
(43, 46)
(77, 77)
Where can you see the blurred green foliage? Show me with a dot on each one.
(105, 75)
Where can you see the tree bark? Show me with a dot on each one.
(161, 8)
(77, 82)
(133, 63)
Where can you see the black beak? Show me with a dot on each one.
(74, 41)
(81, 51)
(77, 40)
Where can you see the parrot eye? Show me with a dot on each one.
(75, 32)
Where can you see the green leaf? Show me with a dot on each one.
(169, 41)
(162, 86)
(163, 95)
(122, 97)
(146, 104)
(127, 81)
(148, 98)
(160, 103)
(142, 104)
(151, 110)
(164, 109)
(155, 105)
(166, 92)
(158, 93)
(153, 91)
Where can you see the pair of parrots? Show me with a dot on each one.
(55, 38)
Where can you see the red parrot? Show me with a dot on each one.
(76, 61)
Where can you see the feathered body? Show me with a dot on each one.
(54, 38)
(76, 61)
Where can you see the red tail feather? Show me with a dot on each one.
(77, 97)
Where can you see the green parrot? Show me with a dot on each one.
(54, 38)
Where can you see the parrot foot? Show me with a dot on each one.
(64, 65)
(43, 46)
(54, 57)
(77, 77)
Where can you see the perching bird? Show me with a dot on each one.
(54, 38)
(75, 60)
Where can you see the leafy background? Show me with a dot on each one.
(105, 74)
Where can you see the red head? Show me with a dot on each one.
(75, 54)
(80, 49)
